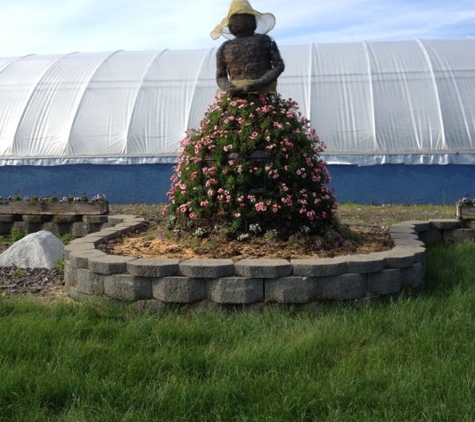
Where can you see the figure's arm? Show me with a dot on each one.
(277, 67)
(222, 74)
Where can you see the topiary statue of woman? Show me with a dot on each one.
(249, 62)
(253, 165)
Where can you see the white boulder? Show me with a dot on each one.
(36, 250)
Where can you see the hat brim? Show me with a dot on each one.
(265, 22)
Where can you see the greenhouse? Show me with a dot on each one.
(398, 118)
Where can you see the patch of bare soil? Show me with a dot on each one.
(38, 282)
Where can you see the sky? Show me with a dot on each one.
(59, 27)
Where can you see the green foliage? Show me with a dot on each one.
(60, 264)
(67, 238)
(16, 235)
(254, 160)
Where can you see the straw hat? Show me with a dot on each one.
(265, 21)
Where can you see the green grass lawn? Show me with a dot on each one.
(410, 359)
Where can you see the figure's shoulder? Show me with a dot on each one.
(263, 38)
(223, 47)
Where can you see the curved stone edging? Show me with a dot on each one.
(92, 273)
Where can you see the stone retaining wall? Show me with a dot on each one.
(59, 224)
(250, 282)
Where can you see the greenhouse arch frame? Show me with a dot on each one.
(390, 113)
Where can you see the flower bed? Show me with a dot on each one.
(53, 208)
(69, 205)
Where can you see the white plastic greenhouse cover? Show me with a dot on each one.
(409, 102)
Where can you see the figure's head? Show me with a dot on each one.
(242, 24)
(233, 23)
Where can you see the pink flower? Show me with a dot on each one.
(260, 206)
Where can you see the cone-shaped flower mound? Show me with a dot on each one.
(254, 162)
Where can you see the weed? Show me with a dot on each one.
(17, 235)
(67, 238)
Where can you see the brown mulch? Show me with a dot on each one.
(148, 245)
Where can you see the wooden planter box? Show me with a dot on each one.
(465, 212)
(54, 208)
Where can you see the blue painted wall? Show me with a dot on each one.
(149, 183)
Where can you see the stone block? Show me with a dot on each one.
(236, 290)
(95, 238)
(319, 267)
(460, 235)
(263, 268)
(80, 258)
(5, 228)
(89, 282)
(207, 268)
(344, 287)
(419, 226)
(402, 228)
(23, 226)
(69, 276)
(446, 224)
(106, 234)
(117, 219)
(399, 257)
(153, 267)
(430, 236)
(128, 287)
(293, 289)
(369, 263)
(34, 218)
(179, 289)
(66, 219)
(80, 246)
(411, 241)
(386, 282)
(56, 228)
(7, 218)
(109, 264)
(81, 229)
(95, 219)
(412, 276)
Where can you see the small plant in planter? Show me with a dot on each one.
(466, 201)
(465, 208)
